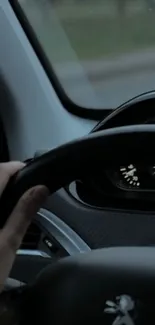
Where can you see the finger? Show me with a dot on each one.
(7, 170)
(22, 215)
(12, 234)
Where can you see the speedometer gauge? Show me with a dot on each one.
(130, 175)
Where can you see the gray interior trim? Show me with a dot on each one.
(12, 284)
(32, 252)
(67, 238)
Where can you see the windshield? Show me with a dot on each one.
(102, 51)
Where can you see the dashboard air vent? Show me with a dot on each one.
(31, 238)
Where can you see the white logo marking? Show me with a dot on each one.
(121, 308)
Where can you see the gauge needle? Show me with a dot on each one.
(131, 172)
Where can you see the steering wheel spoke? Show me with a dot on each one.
(107, 286)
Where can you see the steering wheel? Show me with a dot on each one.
(108, 286)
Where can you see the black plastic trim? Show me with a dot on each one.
(87, 113)
(104, 227)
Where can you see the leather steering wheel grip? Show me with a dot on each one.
(74, 160)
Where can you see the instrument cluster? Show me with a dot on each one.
(135, 178)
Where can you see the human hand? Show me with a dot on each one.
(15, 228)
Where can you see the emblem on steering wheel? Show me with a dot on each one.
(123, 305)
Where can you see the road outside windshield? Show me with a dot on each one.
(102, 51)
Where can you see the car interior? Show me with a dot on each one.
(89, 253)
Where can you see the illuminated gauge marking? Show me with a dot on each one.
(130, 175)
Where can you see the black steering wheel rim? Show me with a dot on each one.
(103, 149)
(77, 288)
